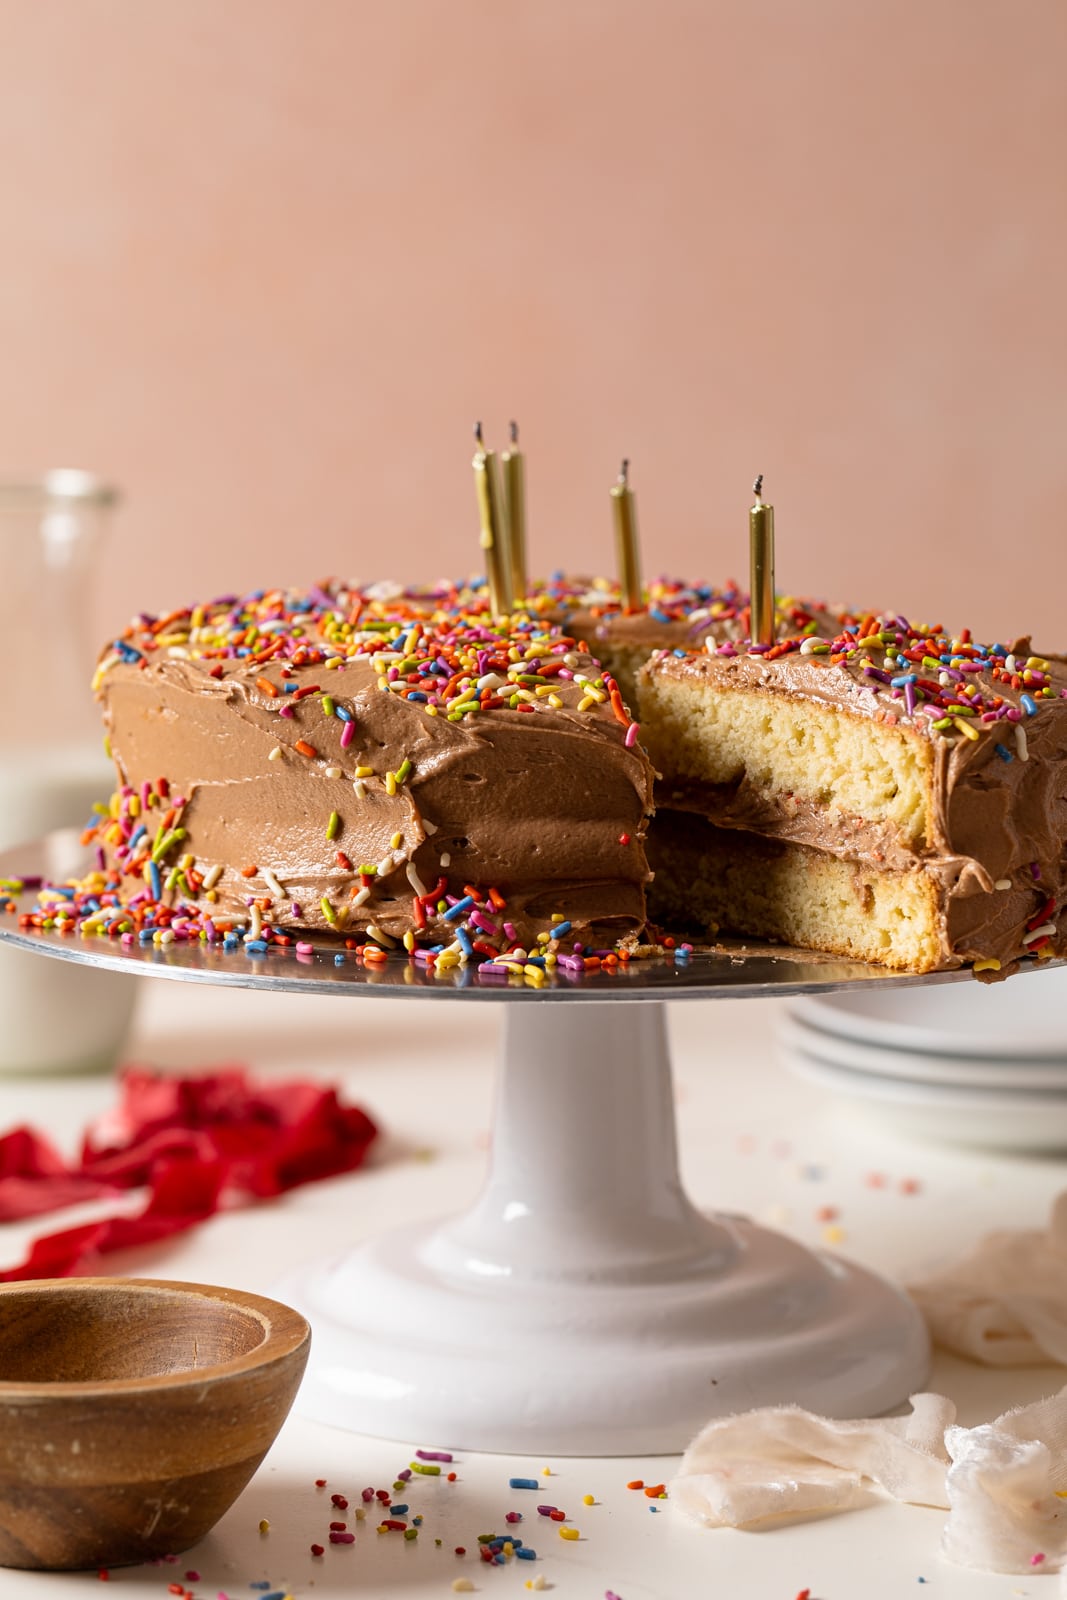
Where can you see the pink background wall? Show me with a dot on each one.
(264, 261)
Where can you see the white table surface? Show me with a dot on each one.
(753, 1138)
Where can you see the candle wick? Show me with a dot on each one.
(624, 472)
(514, 430)
(757, 486)
(478, 435)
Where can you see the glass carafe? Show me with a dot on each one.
(52, 763)
(58, 1017)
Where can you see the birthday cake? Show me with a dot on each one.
(397, 767)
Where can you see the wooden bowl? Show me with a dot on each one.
(133, 1413)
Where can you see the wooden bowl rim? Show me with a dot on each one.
(286, 1332)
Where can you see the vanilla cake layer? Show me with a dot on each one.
(771, 742)
(721, 881)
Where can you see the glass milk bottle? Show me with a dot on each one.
(55, 1016)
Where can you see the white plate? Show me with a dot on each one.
(986, 1117)
(1013, 1019)
(990, 1072)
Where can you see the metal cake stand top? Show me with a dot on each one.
(740, 971)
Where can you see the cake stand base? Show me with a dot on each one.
(584, 1306)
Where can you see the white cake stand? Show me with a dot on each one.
(584, 1306)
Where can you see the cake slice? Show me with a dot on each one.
(891, 793)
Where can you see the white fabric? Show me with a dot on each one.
(1004, 1483)
(1001, 1481)
(742, 1469)
(1006, 1303)
(1004, 1508)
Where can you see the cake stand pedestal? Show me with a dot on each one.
(583, 1306)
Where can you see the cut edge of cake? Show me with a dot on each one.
(716, 879)
(780, 742)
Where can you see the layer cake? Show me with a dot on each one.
(395, 765)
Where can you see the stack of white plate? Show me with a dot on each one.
(964, 1063)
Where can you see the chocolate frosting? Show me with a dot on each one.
(547, 805)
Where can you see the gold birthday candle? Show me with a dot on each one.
(761, 556)
(514, 465)
(627, 549)
(493, 537)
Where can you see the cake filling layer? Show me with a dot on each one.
(785, 815)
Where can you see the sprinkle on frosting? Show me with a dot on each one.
(440, 651)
